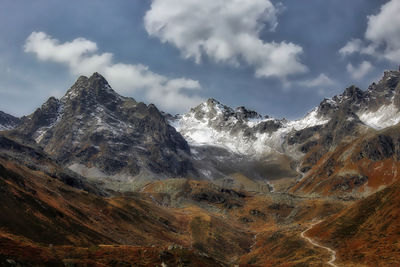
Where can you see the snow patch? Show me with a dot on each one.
(384, 117)
(310, 120)
(41, 132)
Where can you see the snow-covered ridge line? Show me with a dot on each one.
(385, 116)
(240, 131)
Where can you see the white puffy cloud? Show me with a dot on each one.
(382, 37)
(384, 30)
(359, 72)
(226, 31)
(351, 47)
(321, 81)
(51, 49)
(174, 95)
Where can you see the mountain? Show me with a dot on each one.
(8, 122)
(233, 146)
(356, 152)
(125, 144)
(104, 136)
(226, 141)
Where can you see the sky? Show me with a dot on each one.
(280, 58)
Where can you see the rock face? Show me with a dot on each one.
(8, 122)
(99, 133)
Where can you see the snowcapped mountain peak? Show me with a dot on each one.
(239, 130)
(214, 110)
(211, 109)
(245, 114)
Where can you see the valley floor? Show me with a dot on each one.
(179, 222)
(175, 222)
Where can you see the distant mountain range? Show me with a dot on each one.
(99, 134)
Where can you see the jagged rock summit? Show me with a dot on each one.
(100, 134)
(239, 130)
(377, 107)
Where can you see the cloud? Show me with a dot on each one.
(81, 57)
(351, 47)
(226, 31)
(321, 81)
(359, 72)
(382, 37)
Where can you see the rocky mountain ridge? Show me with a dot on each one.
(8, 122)
(239, 130)
(247, 132)
(105, 136)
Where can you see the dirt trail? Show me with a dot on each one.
(331, 251)
(254, 241)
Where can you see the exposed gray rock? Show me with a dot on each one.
(379, 148)
(94, 126)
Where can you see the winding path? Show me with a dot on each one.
(254, 241)
(331, 251)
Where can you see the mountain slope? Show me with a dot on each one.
(40, 207)
(47, 204)
(28, 154)
(366, 233)
(356, 152)
(356, 168)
